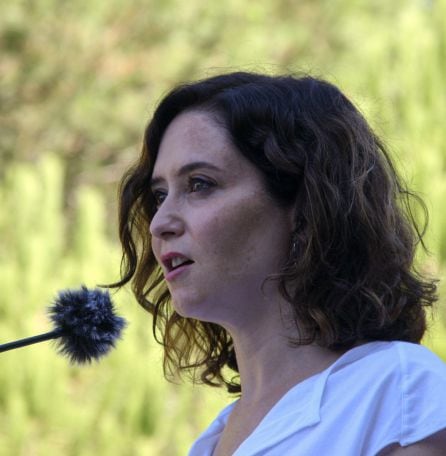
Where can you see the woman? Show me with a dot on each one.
(266, 230)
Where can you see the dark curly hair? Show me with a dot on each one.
(350, 272)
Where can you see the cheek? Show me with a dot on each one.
(240, 236)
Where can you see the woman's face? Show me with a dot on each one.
(217, 234)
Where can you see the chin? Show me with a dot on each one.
(186, 307)
(194, 309)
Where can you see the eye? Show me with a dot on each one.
(159, 196)
(198, 184)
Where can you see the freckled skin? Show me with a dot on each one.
(234, 232)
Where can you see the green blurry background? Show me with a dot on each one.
(79, 80)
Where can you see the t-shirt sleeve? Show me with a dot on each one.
(423, 389)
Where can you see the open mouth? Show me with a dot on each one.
(178, 262)
(174, 262)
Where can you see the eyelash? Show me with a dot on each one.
(204, 184)
(158, 196)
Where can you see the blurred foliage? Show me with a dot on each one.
(47, 407)
(78, 80)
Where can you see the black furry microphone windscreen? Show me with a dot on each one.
(85, 325)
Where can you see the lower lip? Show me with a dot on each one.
(176, 272)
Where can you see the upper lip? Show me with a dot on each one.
(167, 258)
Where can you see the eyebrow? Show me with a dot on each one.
(185, 170)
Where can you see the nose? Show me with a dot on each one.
(167, 221)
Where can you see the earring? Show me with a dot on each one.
(294, 245)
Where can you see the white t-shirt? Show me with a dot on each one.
(374, 395)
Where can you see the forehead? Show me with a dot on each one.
(195, 136)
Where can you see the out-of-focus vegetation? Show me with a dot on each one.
(78, 82)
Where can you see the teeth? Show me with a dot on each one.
(176, 261)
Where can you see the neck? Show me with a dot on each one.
(268, 364)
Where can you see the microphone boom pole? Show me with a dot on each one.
(30, 340)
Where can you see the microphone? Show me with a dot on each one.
(85, 325)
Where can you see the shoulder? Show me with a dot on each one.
(434, 445)
(379, 362)
(408, 362)
(396, 390)
(423, 386)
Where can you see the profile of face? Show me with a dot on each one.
(217, 233)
